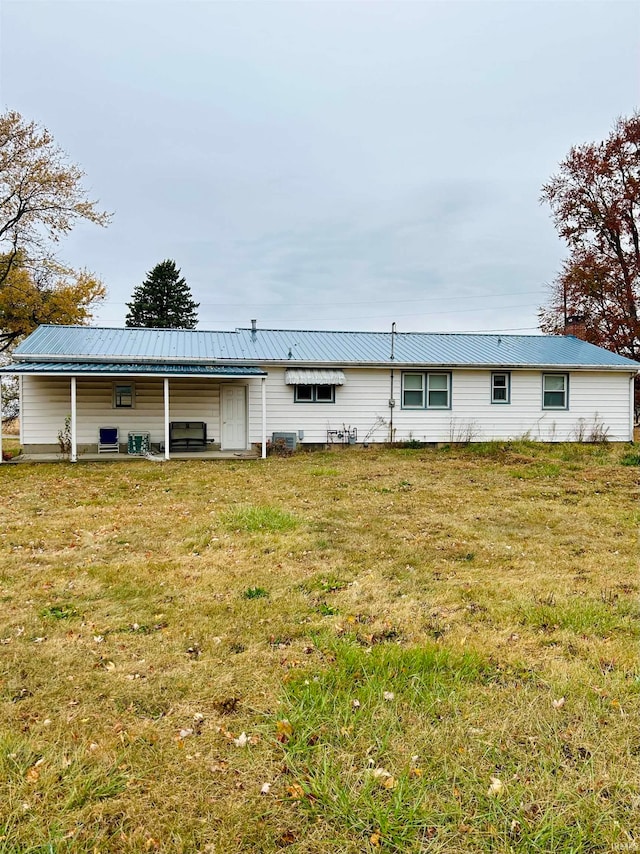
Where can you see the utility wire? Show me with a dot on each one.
(349, 302)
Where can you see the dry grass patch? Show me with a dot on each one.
(175, 637)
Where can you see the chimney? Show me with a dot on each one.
(254, 329)
(575, 326)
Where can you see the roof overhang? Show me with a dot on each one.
(117, 369)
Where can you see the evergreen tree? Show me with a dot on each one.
(163, 300)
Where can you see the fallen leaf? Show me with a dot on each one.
(558, 704)
(389, 695)
(375, 839)
(109, 666)
(284, 730)
(384, 778)
(266, 788)
(295, 791)
(242, 740)
(496, 787)
(415, 772)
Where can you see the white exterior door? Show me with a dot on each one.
(233, 436)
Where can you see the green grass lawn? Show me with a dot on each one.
(363, 650)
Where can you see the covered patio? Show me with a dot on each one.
(149, 410)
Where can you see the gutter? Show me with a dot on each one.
(343, 364)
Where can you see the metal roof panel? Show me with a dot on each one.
(304, 347)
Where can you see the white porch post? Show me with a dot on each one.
(264, 417)
(1, 460)
(166, 418)
(74, 421)
(21, 398)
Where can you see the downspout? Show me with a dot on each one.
(392, 402)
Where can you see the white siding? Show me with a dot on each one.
(364, 399)
(47, 402)
(363, 403)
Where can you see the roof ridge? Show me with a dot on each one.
(388, 332)
(294, 331)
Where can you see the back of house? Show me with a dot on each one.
(201, 391)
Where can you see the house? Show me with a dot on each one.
(181, 391)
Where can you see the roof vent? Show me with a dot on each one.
(254, 329)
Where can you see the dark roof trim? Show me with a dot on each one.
(121, 369)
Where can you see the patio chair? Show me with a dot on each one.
(108, 440)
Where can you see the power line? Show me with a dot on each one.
(349, 302)
(389, 315)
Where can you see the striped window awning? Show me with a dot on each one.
(309, 376)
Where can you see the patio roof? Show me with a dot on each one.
(125, 369)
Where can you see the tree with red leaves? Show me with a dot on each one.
(595, 203)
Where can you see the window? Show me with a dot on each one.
(303, 393)
(325, 393)
(426, 390)
(501, 388)
(555, 391)
(123, 396)
(437, 391)
(413, 391)
(314, 394)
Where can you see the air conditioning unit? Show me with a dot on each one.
(290, 440)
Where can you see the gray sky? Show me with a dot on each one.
(324, 165)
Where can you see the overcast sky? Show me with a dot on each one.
(324, 165)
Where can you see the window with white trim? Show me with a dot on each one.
(555, 391)
(314, 394)
(123, 395)
(500, 387)
(413, 391)
(426, 390)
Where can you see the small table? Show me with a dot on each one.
(138, 444)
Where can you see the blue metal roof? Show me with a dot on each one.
(121, 368)
(299, 347)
